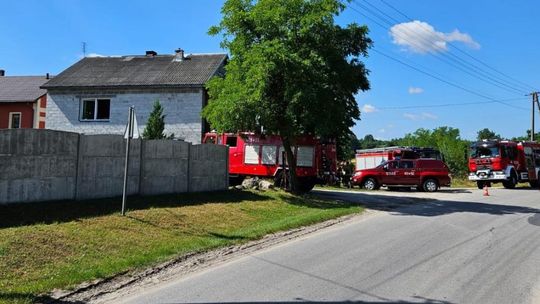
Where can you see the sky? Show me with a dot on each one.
(461, 64)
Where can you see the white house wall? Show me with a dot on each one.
(182, 110)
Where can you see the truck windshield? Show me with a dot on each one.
(482, 152)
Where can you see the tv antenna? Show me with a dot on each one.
(84, 48)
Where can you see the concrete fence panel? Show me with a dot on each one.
(45, 165)
(164, 167)
(101, 166)
(37, 165)
(208, 168)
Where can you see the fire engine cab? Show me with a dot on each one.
(251, 154)
(504, 161)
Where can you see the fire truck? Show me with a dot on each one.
(509, 162)
(371, 158)
(256, 155)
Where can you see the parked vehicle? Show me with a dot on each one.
(371, 158)
(424, 174)
(256, 155)
(509, 162)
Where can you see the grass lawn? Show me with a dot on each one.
(45, 246)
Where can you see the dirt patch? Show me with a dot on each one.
(110, 289)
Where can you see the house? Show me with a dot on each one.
(93, 95)
(22, 102)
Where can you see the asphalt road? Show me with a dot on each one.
(453, 247)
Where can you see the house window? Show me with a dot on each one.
(95, 109)
(15, 120)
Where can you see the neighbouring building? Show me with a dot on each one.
(93, 95)
(22, 101)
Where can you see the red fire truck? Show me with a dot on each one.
(371, 158)
(262, 155)
(509, 162)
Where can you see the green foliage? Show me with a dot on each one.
(447, 140)
(291, 69)
(487, 134)
(346, 146)
(156, 123)
(369, 142)
(528, 136)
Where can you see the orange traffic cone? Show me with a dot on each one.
(486, 192)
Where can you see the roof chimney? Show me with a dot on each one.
(179, 55)
(47, 76)
(151, 53)
(2, 73)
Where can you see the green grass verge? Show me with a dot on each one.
(61, 244)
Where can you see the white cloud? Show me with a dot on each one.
(92, 55)
(382, 130)
(421, 116)
(413, 90)
(429, 116)
(420, 37)
(367, 108)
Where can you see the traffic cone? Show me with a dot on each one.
(486, 192)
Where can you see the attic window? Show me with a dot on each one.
(95, 109)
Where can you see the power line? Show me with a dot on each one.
(450, 59)
(446, 81)
(448, 104)
(440, 78)
(465, 53)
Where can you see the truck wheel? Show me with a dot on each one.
(370, 184)
(430, 185)
(511, 183)
(306, 184)
(480, 184)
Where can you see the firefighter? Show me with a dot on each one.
(347, 174)
(339, 174)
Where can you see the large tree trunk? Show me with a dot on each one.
(291, 162)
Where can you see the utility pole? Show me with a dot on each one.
(534, 101)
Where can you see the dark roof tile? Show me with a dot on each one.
(21, 88)
(162, 70)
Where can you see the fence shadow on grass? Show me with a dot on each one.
(23, 214)
(15, 297)
(313, 201)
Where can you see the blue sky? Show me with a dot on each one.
(37, 37)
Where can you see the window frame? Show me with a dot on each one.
(95, 100)
(10, 119)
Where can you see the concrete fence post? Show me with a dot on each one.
(78, 166)
(141, 166)
(189, 150)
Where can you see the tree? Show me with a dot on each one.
(528, 136)
(447, 140)
(347, 146)
(156, 123)
(291, 70)
(487, 134)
